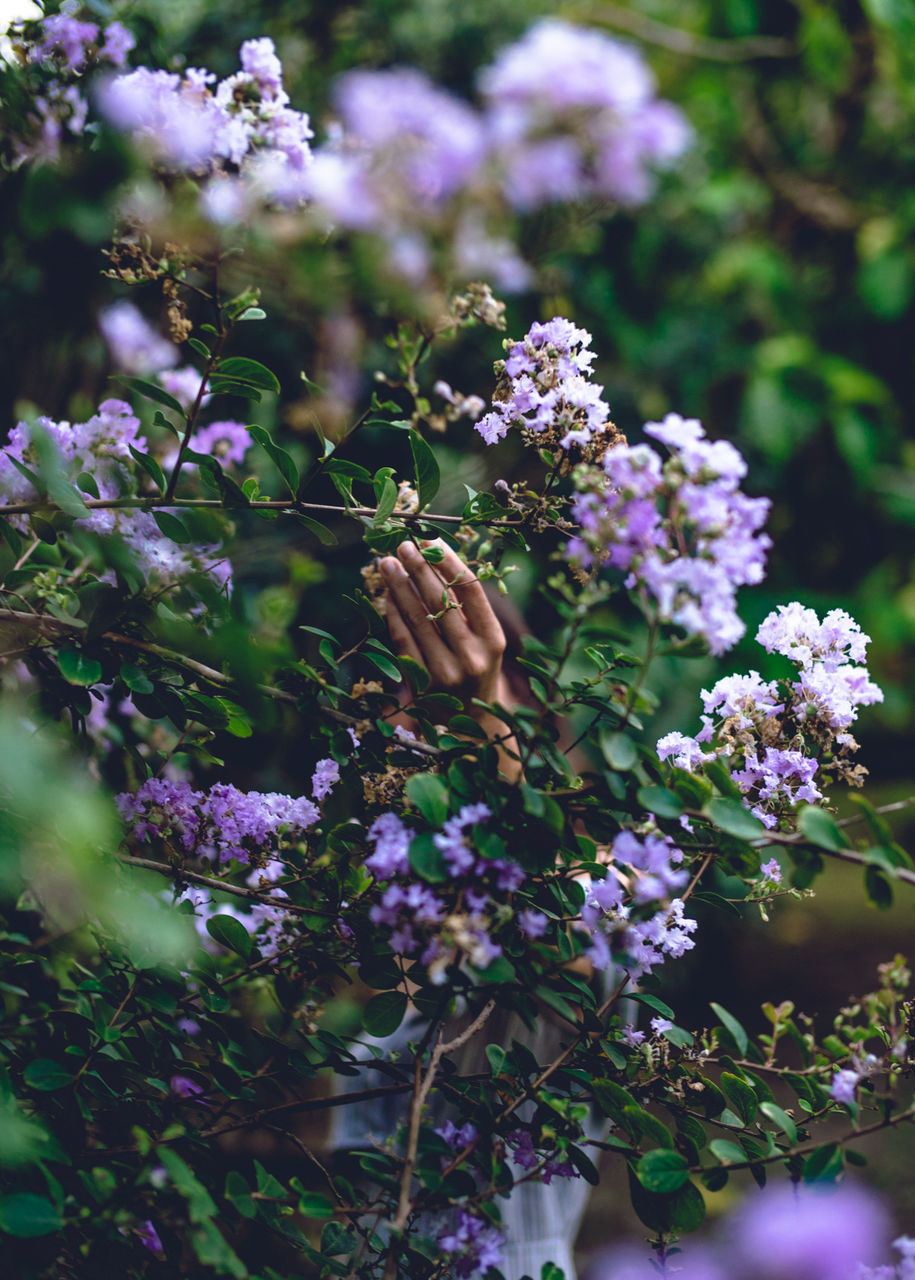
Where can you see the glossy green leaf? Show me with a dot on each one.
(231, 933)
(731, 816)
(730, 1022)
(384, 1013)
(27, 1216)
(279, 457)
(662, 1170)
(79, 669)
(426, 469)
(241, 369)
(430, 796)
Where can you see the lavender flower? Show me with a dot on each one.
(452, 840)
(392, 846)
(134, 344)
(771, 871)
(149, 1236)
(66, 37)
(474, 1246)
(683, 532)
(326, 774)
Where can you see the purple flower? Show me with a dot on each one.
(149, 1236)
(229, 441)
(118, 43)
(660, 1025)
(259, 61)
(452, 840)
(134, 344)
(533, 924)
(474, 1246)
(66, 36)
(183, 384)
(786, 1233)
(771, 871)
(187, 1088)
(843, 1086)
(457, 1138)
(326, 774)
(392, 847)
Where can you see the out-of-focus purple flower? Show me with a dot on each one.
(786, 1232)
(844, 1083)
(632, 1263)
(184, 1087)
(452, 840)
(473, 1245)
(66, 36)
(571, 112)
(183, 384)
(118, 43)
(458, 1138)
(392, 846)
(134, 344)
(229, 441)
(259, 61)
(533, 924)
(659, 1025)
(149, 1236)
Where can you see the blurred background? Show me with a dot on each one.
(768, 289)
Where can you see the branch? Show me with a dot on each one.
(421, 1087)
(193, 877)
(263, 504)
(684, 42)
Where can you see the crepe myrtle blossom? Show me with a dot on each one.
(785, 739)
(101, 448)
(472, 1243)
(572, 113)
(222, 824)
(681, 530)
(544, 391)
(904, 1269)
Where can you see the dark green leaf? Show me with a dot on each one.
(781, 1118)
(135, 678)
(26, 1216)
(46, 1075)
(241, 369)
(150, 466)
(824, 1165)
(661, 801)
(171, 526)
(620, 753)
(727, 1152)
(239, 1194)
(731, 816)
(77, 668)
(152, 391)
(226, 387)
(430, 796)
(231, 933)
(280, 458)
(820, 828)
(314, 1205)
(741, 1095)
(662, 1170)
(386, 502)
(384, 1013)
(425, 465)
(325, 536)
(426, 860)
(730, 1022)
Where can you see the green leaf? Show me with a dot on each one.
(775, 1113)
(325, 536)
(231, 933)
(651, 1002)
(200, 1203)
(662, 1170)
(584, 1165)
(620, 753)
(820, 828)
(384, 665)
(730, 816)
(660, 800)
(150, 466)
(136, 678)
(430, 796)
(279, 457)
(426, 860)
(824, 1165)
(171, 527)
(76, 668)
(41, 527)
(681, 1210)
(26, 1216)
(241, 369)
(386, 502)
(679, 1036)
(152, 391)
(727, 1152)
(730, 1022)
(238, 1194)
(226, 387)
(742, 1096)
(415, 672)
(428, 477)
(384, 1013)
(253, 313)
(314, 1205)
(46, 1075)
(877, 888)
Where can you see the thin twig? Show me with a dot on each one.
(238, 891)
(684, 42)
(422, 1085)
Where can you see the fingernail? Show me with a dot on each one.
(389, 566)
(409, 552)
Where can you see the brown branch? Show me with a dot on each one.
(683, 42)
(291, 505)
(237, 891)
(422, 1085)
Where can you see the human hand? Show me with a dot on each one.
(439, 616)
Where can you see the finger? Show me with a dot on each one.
(474, 601)
(431, 588)
(401, 636)
(436, 657)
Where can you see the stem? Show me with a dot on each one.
(212, 362)
(421, 1087)
(193, 877)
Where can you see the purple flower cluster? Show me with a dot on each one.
(472, 1243)
(903, 1270)
(632, 916)
(573, 114)
(417, 914)
(100, 447)
(784, 738)
(544, 390)
(221, 824)
(684, 533)
(63, 51)
(526, 1157)
(239, 136)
